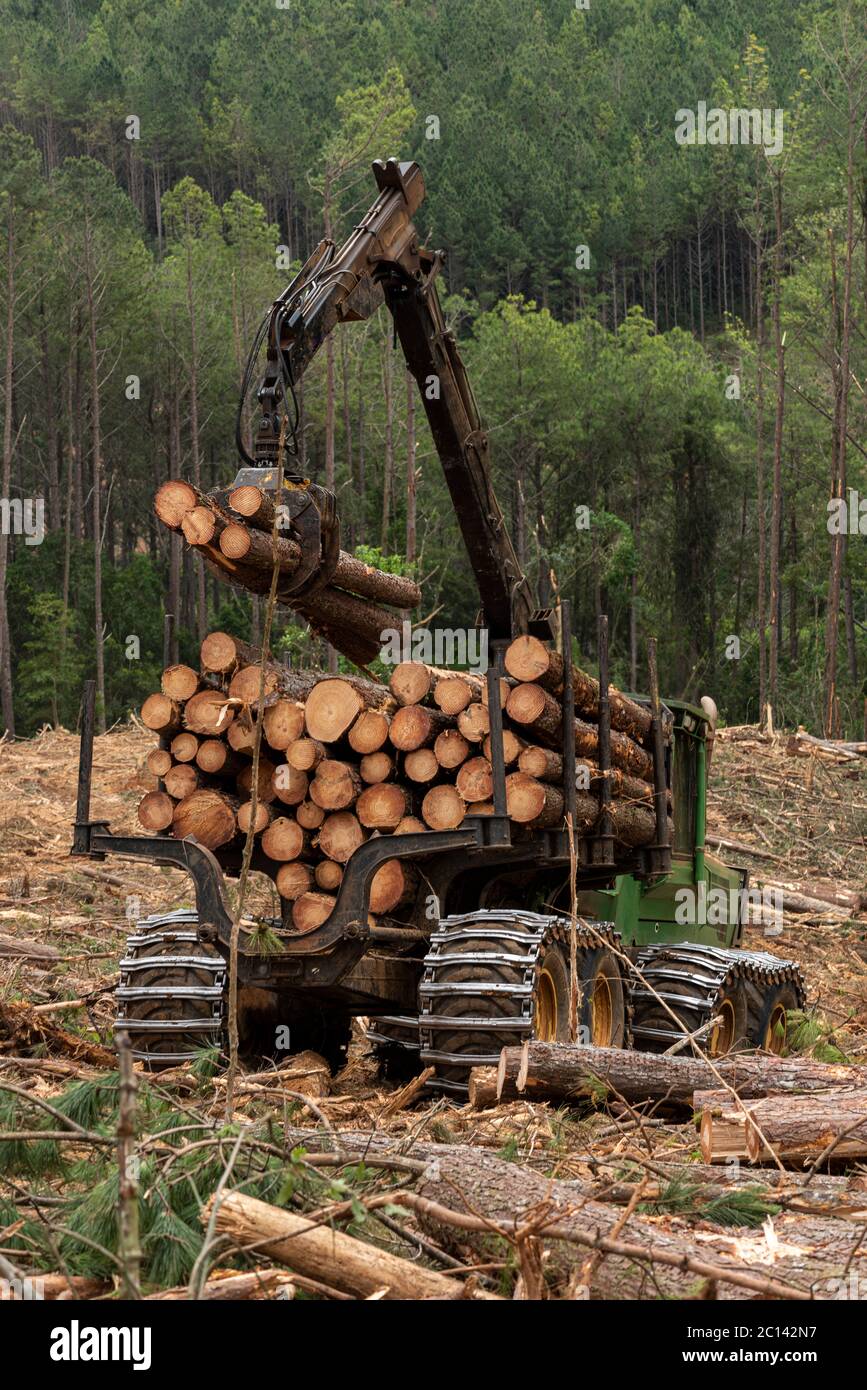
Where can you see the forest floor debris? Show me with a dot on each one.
(348, 1152)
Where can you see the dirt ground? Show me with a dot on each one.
(799, 822)
(804, 818)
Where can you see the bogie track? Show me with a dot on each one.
(748, 991)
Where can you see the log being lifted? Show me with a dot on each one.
(558, 1071)
(349, 619)
(257, 508)
(529, 659)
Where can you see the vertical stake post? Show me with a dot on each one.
(81, 840)
(662, 847)
(605, 837)
(568, 710)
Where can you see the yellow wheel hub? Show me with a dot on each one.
(723, 1036)
(775, 1033)
(601, 1012)
(546, 1008)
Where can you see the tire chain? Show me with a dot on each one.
(708, 969)
(507, 930)
(183, 978)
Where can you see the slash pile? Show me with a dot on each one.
(344, 758)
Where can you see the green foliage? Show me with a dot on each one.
(602, 388)
(813, 1036)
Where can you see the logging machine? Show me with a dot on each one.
(503, 915)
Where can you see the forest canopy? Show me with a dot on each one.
(665, 332)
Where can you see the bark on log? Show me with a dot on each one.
(529, 659)
(558, 1071)
(257, 508)
(535, 709)
(651, 1260)
(795, 1129)
(257, 549)
(533, 803)
(318, 1251)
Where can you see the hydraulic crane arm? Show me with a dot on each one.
(383, 260)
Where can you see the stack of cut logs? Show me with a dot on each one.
(234, 533)
(343, 758)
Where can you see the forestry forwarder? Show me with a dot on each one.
(493, 967)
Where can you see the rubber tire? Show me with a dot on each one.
(151, 1009)
(591, 965)
(502, 1032)
(691, 1019)
(760, 1013)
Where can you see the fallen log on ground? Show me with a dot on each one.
(559, 1071)
(320, 1252)
(645, 1259)
(792, 1129)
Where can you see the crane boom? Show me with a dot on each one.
(382, 259)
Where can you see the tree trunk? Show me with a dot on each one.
(96, 435)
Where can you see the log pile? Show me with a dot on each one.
(343, 758)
